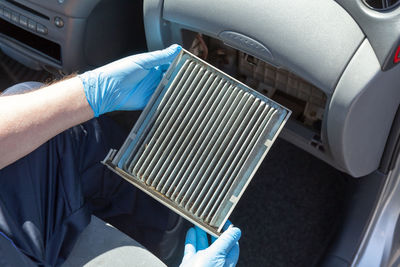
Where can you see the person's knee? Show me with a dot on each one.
(21, 88)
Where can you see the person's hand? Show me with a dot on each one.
(224, 251)
(128, 83)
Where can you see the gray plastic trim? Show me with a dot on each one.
(381, 28)
(361, 113)
(379, 246)
(72, 8)
(392, 147)
(24, 55)
(152, 13)
(312, 38)
(69, 37)
(300, 136)
(244, 43)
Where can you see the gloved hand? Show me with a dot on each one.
(224, 251)
(128, 83)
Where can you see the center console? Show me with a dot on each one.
(70, 35)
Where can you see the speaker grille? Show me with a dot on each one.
(201, 141)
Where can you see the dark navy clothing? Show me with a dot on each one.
(47, 197)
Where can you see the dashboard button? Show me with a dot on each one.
(58, 22)
(23, 21)
(41, 29)
(7, 13)
(32, 25)
(15, 17)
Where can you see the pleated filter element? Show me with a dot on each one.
(198, 142)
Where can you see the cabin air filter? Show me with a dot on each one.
(198, 142)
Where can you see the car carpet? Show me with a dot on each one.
(289, 213)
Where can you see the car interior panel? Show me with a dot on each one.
(333, 63)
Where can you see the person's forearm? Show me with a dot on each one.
(29, 120)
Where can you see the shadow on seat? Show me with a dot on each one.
(100, 244)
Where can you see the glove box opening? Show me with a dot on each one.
(306, 101)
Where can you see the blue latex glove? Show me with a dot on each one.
(128, 83)
(224, 251)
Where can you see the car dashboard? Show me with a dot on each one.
(333, 63)
(67, 36)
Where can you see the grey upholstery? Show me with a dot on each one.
(100, 244)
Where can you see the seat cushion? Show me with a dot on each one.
(100, 244)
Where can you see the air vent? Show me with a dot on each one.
(381, 5)
(199, 141)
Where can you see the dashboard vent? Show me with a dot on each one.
(199, 142)
(381, 5)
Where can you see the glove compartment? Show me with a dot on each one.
(318, 41)
(312, 38)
